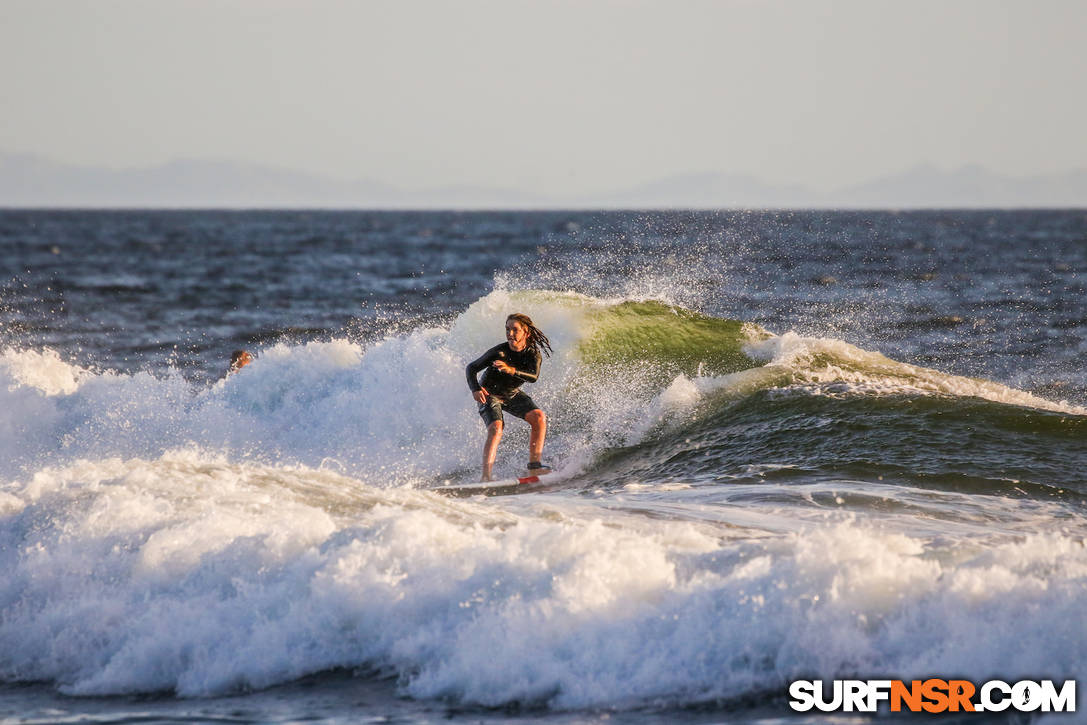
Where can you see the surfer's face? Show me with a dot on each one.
(516, 335)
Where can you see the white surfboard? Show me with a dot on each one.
(524, 482)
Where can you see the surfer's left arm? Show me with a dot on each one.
(528, 376)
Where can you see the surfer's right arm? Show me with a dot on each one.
(483, 362)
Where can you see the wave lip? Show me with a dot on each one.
(837, 366)
(677, 340)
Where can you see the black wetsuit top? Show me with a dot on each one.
(504, 385)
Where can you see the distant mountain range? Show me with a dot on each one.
(33, 181)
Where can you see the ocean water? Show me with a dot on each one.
(795, 445)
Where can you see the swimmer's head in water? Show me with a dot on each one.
(239, 359)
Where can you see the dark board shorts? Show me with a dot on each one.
(520, 405)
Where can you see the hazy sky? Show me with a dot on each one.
(550, 96)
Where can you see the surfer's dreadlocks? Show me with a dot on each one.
(536, 339)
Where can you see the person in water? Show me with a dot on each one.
(507, 366)
(238, 360)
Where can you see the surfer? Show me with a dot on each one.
(508, 366)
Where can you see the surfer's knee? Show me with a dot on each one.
(536, 417)
(495, 428)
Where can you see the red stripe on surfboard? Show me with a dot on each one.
(529, 479)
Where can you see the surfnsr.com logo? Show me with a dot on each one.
(933, 695)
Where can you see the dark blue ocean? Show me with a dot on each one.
(789, 445)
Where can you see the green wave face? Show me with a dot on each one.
(669, 340)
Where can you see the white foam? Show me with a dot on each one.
(41, 370)
(397, 411)
(191, 574)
